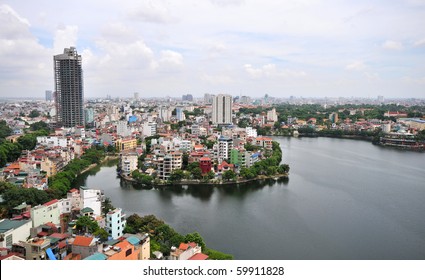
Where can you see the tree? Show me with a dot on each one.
(39, 126)
(196, 173)
(229, 175)
(5, 130)
(107, 206)
(34, 114)
(197, 238)
(176, 176)
(87, 225)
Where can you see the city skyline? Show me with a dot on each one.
(239, 47)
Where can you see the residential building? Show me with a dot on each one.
(128, 162)
(168, 163)
(185, 251)
(251, 132)
(205, 164)
(271, 115)
(85, 246)
(225, 145)
(89, 115)
(165, 114)
(180, 116)
(69, 88)
(265, 142)
(35, 248)
(149, 129)
(222, 109)
(93, 199)
(126, 144)
(48, 212)
(12, 231)
(122, 129)
(141, 243)
(115, 223)
(123, 250)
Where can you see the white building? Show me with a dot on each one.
(12, 231)
(168, 163)
(128, 162)
(272, 116)
(115, 223)
(49, 212)
(165, 114)
(180, 116)
(65, 206)
(149, 129)
(222, 109)
(225, 145)
(123, 129)
(93, 199)
(251, 132)
(75, 199)
(52, 141)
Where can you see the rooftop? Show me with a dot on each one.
(6, 225)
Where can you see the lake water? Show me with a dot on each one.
(344, 199)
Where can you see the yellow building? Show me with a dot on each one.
(125, 144)
(48, 166)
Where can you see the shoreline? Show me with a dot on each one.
(198, 182)
(91, 166)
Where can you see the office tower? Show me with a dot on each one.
(69, 88)
(136, 96)
(208, 98)
(49, 95)
(187, 97)
(222, 109)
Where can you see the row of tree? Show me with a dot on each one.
(62, 182)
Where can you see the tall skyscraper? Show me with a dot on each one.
(69, 88)
(222, 109)
(49, 95)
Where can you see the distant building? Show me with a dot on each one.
(208, 98)
(49, 95)
(187, 97)
(89, 115)
(272, 115)
(225, 145)
(333, 117)
(180, 116)
(69, 88)
(136, 96)
(222, 109)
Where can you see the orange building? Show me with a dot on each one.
(122, 251)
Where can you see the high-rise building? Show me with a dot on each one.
(49, 95)
(208, 98)
(222, 109)
(187, 97)
(272, 115)
(136, 96)
(69, 88)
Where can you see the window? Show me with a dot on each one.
(9, 240)
(128, 252)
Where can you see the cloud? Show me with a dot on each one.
(392, 45)
(65, 37)
(153, 12)
(420, 43)
(271, 71)
(216, 79)
(170, 61)
(356, 66)
(227, 2)
(411, 80)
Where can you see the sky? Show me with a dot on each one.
(303, 48)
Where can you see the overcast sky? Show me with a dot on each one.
(240, 47)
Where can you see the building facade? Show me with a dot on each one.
(222, 109)
(69, 96)
(115, 223)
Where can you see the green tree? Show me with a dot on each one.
(229, 175)
(177, 176)
(34, 114)
(39, 126)
(107, 206)
(197, 238)
(87, 225)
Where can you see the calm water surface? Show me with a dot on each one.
(344, 199)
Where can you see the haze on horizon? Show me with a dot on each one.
(240, 47)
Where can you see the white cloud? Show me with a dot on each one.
(227, 2)
(153, 12)
(419, 43)
(411, 80)
(271, 71)
(7, 10)
(65, 37)
(392, 45)
(170, 61)
(216, 79)
(356, 66)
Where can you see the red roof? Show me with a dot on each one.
(59, 235)
(183, 246)
(198, 257)
(192, 244)
(82, 241)
(50, 202)
(73, 190)
(62, 244)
